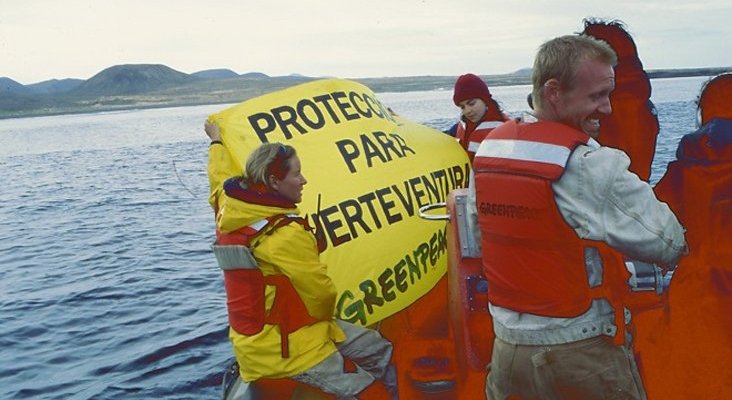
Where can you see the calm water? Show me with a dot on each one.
(107, 287)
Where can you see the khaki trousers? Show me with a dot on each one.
(370, 353)
(588, 369)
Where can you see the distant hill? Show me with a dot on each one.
(221, 73)
(8, 85)
(55, 85)
(132, 79)
(12, 104)
(153, 85)
(678, 73)
(254, 75)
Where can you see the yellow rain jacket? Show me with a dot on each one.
(292, 251)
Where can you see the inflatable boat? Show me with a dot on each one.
(442, 333)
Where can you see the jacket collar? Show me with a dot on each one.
(238, 188)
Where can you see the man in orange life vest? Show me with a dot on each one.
(281, 302)
(557, 214)
(479, 113)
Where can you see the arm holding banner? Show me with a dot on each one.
(220, 165)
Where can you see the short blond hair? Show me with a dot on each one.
(268, 159)
(558, 59)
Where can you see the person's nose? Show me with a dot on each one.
(605, 107)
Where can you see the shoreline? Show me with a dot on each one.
(237, 90)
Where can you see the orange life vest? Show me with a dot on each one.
(692, 342)
(533, 260)
(245, 283)
(469, 135)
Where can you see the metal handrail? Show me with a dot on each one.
(434, 217)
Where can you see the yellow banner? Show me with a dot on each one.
(373, 171)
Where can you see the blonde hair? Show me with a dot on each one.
(268, 159)
(558, 59)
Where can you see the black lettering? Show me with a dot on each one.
(387, 206)
(320, 120)
(262, 130)
(407, 201)
(418, 193)
(373, 105)
(343, 106)
(387, 145)
(331, 226)
(369, 198)
(402, 144)
(285, 116)
(434, 195)
(349, 151)
(461, 177)
(439, 179)
(365, 113)
(355, 217)
(451, 174)
(370, 150)
(324, 100)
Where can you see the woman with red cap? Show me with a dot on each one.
(479, 112)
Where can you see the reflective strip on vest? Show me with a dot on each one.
(257, 226)
(489, 125)
(254, 228)
(474, 145)
(525, 151)
(231, 257)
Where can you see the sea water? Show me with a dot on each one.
(108, 288)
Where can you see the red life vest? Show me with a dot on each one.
(533, 260)
(470, 135)
(245, 284)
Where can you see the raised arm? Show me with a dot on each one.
(219, 163)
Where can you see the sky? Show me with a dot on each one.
(56, 39)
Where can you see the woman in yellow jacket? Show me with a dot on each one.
(295, 334)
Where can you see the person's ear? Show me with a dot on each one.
(274, 183)
(552, 90)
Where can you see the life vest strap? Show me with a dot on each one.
(287, 311)
(614, 286)
(259, 230)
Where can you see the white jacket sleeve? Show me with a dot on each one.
(602, 200)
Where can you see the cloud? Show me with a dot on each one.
(43, 39)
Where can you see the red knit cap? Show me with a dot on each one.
(469, 86)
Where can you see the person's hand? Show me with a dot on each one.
(672, 266)
(212, 130)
